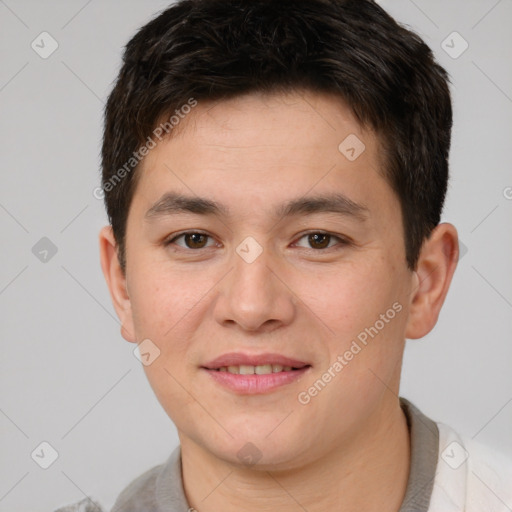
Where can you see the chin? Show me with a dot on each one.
(265, 458)
(261, 452)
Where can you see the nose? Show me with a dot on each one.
(254, 296)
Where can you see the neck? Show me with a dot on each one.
(370, 473)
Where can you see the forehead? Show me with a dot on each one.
(263, 147)
(271, 120)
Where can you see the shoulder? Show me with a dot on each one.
(85, 505)
(489, 476)
(138, 495)
(470, 476)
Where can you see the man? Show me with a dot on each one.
(274, 175)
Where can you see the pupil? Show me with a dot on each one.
(317, 240)
(313, 239)
(196, 240)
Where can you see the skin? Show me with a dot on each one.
(350, 443)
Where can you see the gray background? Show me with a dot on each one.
(67, 375)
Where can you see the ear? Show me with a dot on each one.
(436, 264)
(116, 282)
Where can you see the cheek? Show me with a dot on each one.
(170, 387)
(351, 297)
(165, 305)
(161, 299)
(365, 311)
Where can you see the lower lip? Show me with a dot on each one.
(255, 384)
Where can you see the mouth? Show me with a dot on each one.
(256, 374)
(262, 369)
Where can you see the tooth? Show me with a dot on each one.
(263, 369)
(246, 369)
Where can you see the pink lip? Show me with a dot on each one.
(237, 359)
(255, 384)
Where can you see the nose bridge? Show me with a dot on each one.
(252, 295)
(252, 278)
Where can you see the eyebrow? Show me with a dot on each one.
(173, 203)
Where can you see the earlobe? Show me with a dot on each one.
(433, 275)
(116, 282)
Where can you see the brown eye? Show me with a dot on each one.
(319, 240)
(195, 240)
(190, 240)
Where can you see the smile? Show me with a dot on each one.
(256, 384)
(264, 369)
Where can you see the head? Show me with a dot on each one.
(306, 145)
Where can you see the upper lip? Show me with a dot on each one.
(237, 359)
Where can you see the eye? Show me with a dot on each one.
(320, 240)
(192, 240)
(317, 240)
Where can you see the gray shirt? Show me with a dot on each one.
(161, 488)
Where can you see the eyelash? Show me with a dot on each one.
(342, 241)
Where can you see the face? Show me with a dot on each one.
(260, 238)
